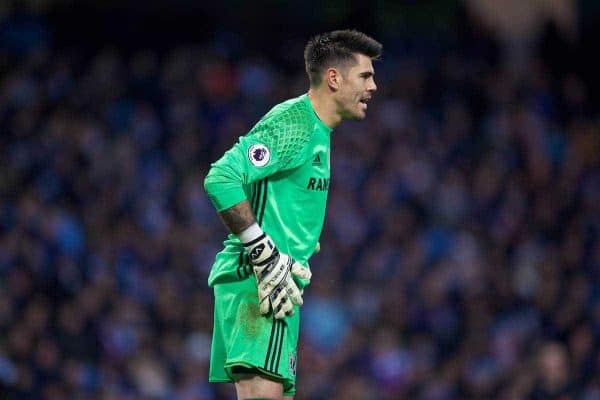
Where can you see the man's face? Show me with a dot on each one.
(356, 88)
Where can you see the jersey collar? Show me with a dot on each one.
(306, 100)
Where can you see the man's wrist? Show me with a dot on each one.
(250, 234)
(259, 246)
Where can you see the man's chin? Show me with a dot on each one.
(360, 116)
(356, 116)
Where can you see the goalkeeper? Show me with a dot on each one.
(270, 190)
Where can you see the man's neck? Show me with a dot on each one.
(324, 107)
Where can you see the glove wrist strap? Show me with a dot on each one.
(250, 234)
(259, 246)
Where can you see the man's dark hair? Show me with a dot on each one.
(336, 48)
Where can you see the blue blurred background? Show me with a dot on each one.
(461, 254)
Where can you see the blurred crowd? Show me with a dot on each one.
(460, 257)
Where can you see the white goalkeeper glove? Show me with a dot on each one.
(275, 273)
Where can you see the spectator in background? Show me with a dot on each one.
(554, 373)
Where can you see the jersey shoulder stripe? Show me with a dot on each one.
(258, 199)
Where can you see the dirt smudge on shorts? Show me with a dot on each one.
(249, 317)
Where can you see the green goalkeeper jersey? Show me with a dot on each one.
(282, 166)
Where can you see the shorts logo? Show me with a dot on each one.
(293, 364)
(259, 155)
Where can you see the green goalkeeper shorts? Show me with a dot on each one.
(244, 339)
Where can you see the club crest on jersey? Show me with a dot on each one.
(292, 364)
(259, 155)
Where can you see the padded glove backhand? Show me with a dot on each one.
(275, 272)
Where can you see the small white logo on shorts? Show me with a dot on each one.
(293, 364)
(259, 155)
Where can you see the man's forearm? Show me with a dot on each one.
(238, 217)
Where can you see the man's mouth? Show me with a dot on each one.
(364, 101)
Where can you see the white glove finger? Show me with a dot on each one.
(267, 299)
(301, 271)
(294, 293)
(284, 308)
(264, 297)
(280, 315)
(265, 305)
(280, 302)
(278, 297)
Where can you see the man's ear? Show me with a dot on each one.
(333, 78)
